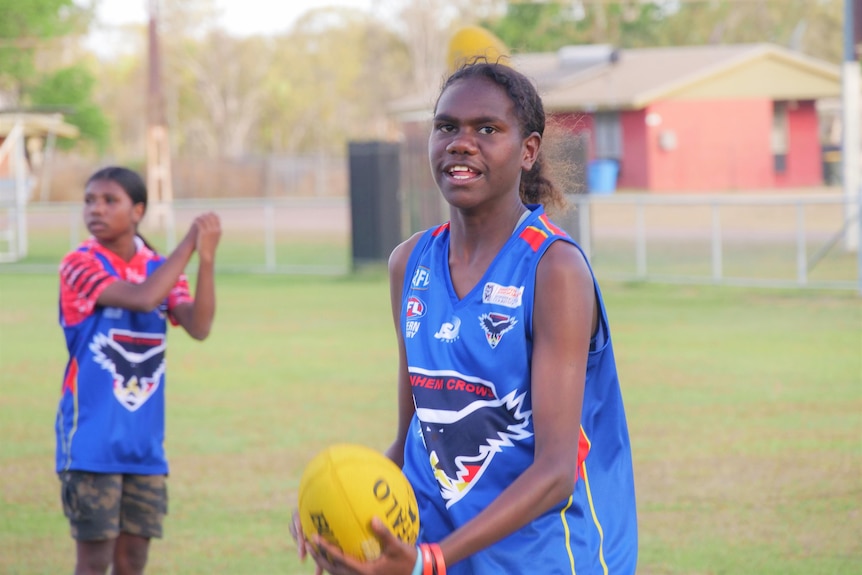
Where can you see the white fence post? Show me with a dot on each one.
(801, 255)
(859, 239)
(717, 254)
(269, 235)
(640, 241)
(22, 196)
(74, 227)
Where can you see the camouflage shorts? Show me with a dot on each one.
(101, 505)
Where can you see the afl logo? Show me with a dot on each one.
(415, 308)
(421, 278)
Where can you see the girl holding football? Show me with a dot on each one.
(511, 427)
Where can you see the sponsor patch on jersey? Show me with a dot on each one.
(421, 278)
(507, 296)
(411, 327)
(113, 312)
(414, 309)
(136, 361)
(495, 325)
(449, 330)
(464, 425)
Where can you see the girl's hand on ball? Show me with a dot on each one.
(329, 558)
(396, 557)
(302, 545)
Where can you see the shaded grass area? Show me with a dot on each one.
(744, 406)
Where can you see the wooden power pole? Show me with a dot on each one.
(159, 185)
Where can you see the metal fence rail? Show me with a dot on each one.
(768, 240)
(775, 240)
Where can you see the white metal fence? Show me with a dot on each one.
(772, 240)
(769, 240)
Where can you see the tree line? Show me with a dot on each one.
(330, 77)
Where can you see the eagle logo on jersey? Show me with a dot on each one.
(495, 325)
(135, 360)
(464, 425)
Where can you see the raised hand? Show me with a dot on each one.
(208, 228)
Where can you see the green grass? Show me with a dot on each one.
(744, 407)
(241, 249)
(748, 260)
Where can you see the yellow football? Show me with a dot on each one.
(343, 487)
(471, 42)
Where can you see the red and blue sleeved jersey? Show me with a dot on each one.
(111, 414)
(472, 433)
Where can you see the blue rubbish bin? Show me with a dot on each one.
(602, 176)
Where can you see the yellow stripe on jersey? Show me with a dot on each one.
(595, 519)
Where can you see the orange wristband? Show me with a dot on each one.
(427, 559)
(439, 562)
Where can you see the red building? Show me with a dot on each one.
(676, 119)
(704, 118)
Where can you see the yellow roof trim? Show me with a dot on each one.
(760, 51)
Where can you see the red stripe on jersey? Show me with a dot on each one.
(83, 279)
(583, 451)
(70, 382)
(556, 230)
(151, 341)
(533, 236)
(440, 229)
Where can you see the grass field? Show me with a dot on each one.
(744, 406)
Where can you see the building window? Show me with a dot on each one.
(609, 136)
(780, 136)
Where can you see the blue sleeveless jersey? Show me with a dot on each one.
(472, 433)
(111, 414)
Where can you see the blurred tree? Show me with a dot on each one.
(219, 88)
(121, 92)
(179, 19)
(330, 78)
(540, 27)
(548, 26)
(72, 88)
(28, 29)
(426, 27)
(122, 77)
(42, 66)
(812, 27)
